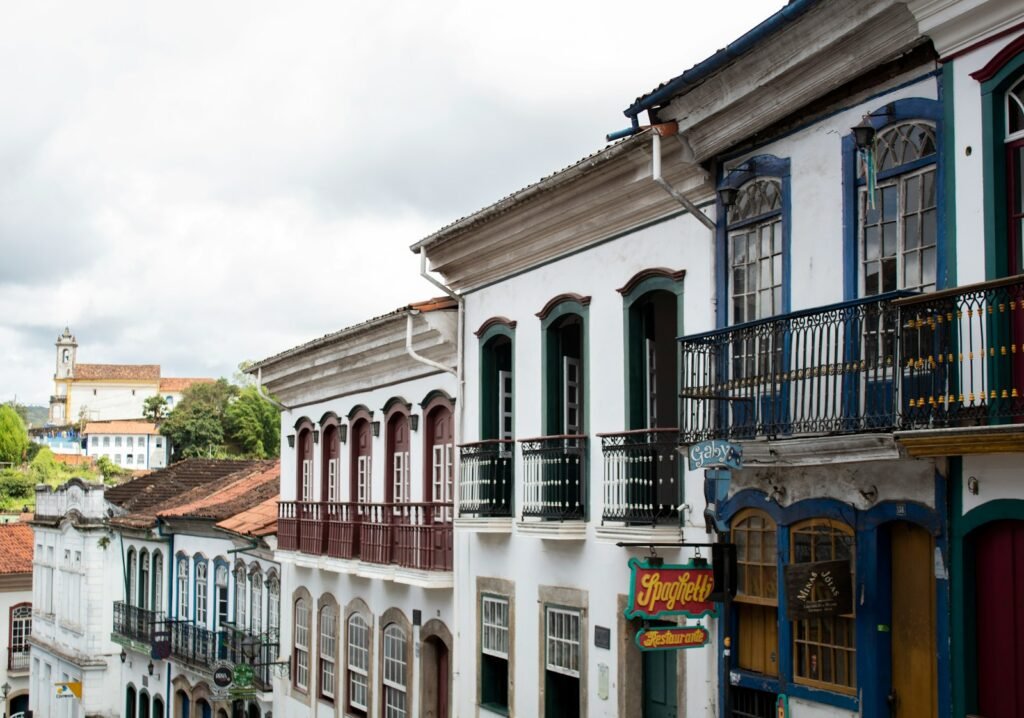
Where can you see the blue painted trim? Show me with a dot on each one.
(753, 167)
(912, 108)
(747, 41)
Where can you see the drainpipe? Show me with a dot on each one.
(263, 395)
(460, 413)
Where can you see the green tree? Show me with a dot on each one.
(253, 425)
(13, 436)
(110, 471)
(195, 427)
(154, 408)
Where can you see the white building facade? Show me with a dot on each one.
(134, 445)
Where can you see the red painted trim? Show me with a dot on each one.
(397, 411)
(566, 297)
(304, 422)
(328, 419)
(634, 281)
(356, 411)
(1002, 57)
(494, 321)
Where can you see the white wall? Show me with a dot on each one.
(111, 400)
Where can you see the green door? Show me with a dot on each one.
(660, 684)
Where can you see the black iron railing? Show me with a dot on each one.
(258, 651)
(194, 644)
(486, 472)
(554, 477)
(898, 360)
(641, 476)
(136, 623)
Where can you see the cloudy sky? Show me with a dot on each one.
(195, 184)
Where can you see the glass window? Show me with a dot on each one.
(394, 672)
(144, 587)
(273, 605)
(328, 650)
(824, 650)
(256, 601)
(358, 663)
(757, 599)
(755, 246)
(301, 644)
(21, 629)
(240, 597)
(158, 581)
(201, 591)
(563, 641)
(494, 647)
(220, 576)
(182, 589)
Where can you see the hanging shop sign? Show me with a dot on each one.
(672, 639)
(819, 589)
(715, 454)
(661, 590)
(69, 689)
(223, 675)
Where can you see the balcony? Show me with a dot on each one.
(18, 661)
(258, 651)
(641, 476)
(193, 644)
(414, 536)
(136, 623)
(898, 362)
(486, 473)
(554, 478)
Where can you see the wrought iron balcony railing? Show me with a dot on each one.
(194, 644)
(18, 660)
(412, 535)
(554, 477)
(641, 476)
(260, 651)
(898, 360)
(136, 623)
(485, 478)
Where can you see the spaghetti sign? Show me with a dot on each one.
(656, 591)
(671, 639)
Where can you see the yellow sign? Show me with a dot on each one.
(66, 690)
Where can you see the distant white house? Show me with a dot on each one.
(135, 445)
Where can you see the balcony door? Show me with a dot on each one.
(441, 448)
(362, 447)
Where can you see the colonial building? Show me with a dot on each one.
(15, 613)
(131, 444)
(365, 524)
(99, 392)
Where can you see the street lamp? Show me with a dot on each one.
(4, 690)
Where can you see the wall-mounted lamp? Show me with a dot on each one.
(727, 196)
(316, 436)
(150, 668)
(972, 485)
(863, 134)
(291, 441)
(343, 433)
(414, 422)
(124, 656)
(376, 428)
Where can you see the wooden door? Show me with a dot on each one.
(914, 691)
(999, 618)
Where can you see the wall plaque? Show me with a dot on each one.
(818, 590)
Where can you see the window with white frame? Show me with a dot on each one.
(182, 588)
(158, 581)
(333, 490)
(395, 668)
(220, 580)
(562, 658)
(21, 629)
(494, 649)
(143, 589)
(328, 651)
(256, 601)
(201, 591)
(132, 573)
(240, 597)
(358, 664)
(273, 605)
(301, 642)
(363, 479)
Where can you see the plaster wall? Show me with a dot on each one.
(112, 400)
(998, 477)
(18, 680)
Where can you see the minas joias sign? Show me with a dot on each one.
(656, 591)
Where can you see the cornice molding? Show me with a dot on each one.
(565, 297)
(492, 322)
(645, 274)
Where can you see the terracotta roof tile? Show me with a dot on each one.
(178, 384)
(140, 372)
(15, 548)
(120, 426)
(260, 520)
(233, 494)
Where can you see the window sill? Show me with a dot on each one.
(494, 709)
(609, 533)
(553, 530)
(484, 525)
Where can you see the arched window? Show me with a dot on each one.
(240, 597)
(130, 700)
(21, 629)
(328, 651)
(158, 581)
(183, 588)
(256, 600)
(1015, 170)
(358, 663)
(220, 579)
(158, 707)
(757, 596)
(824, 649)
(132, 574)
(330, 489)
(395, 672)
(143, 704)
(361, 450)
(756, 250)
(273, 605)
(304, 462)
(440, 451)
(397, 487)
(301, 647)
(144, 588)
(201, 590)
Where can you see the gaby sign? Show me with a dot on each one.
(669, 590)
(671, 639)
(715, 454)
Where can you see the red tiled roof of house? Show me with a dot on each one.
(233, 494)
(120, 426)
(143, 497)
(15, 548)
(179, 384)
(260, 520)
(74, 459)
(138, 372)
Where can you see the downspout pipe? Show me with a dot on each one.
(409, 314)
(266, 397)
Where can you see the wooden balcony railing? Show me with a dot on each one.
(486, 473)
(641, 476)
(136, 623)
(412, 535)
(898, 360)
(288, 525)
(554, 477)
